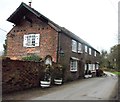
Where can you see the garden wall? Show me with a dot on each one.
(19, 75)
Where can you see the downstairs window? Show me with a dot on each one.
(73, 65)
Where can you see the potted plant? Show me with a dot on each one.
(46, 81)
(58, 75)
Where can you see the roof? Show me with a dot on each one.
(22, 11)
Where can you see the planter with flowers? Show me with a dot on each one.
(46, 81)
(58, 74)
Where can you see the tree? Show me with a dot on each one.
(114, 56)
(103, 59)
(5, 47)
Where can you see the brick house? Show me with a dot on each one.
(33, 33)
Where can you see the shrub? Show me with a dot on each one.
(32, 58)
(58, 71)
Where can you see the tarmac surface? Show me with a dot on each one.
(99, 88)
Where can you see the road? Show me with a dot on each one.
(102, 88)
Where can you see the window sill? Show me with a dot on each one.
(73, 71)
(30, 46)
(80, 52)
(74, 51)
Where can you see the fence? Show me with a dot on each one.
(19, 75)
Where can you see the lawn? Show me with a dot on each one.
(117, 73)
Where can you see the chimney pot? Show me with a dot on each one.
(30, 3)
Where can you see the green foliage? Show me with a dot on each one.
(111, 60)
(5, 47)
(117, 73)
(32, 58)
(114, 57)
(103, 59)
(58, 71)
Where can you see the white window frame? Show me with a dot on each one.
(97, 66)
(31, 40)
(80, 48)
(95, 53)
(73, 65)
(74, 46)
(86, 48)
(90, 51)
(93, 66)
(85, 67)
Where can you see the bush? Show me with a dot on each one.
(58, 71)
(32, 58)
(99, 72)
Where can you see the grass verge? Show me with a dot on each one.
(117, 73)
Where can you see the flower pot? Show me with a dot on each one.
(45, 83)
(88, 76)
(58, 81)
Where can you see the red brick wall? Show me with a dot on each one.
(48, 39)
(20, 75)
(66, 46)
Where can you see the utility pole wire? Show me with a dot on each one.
(3, 30)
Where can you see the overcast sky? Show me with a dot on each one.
(95, 21)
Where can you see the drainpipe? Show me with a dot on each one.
(58, 47)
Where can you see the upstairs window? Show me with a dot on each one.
(90, 51)
(95, 53)
(31, 40)
(85, 48)
(80, 48)
(74, 46)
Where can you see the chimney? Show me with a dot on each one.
(30, 2)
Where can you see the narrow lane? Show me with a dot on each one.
(88, 89)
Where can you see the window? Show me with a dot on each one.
(79, 48)
(97, 66)
(85, 66)
(73, 65)
(94, 53)
(74, 46)
(90, 51)
(85, 48)
(89, 66)
(93, 66)
(31, 40)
